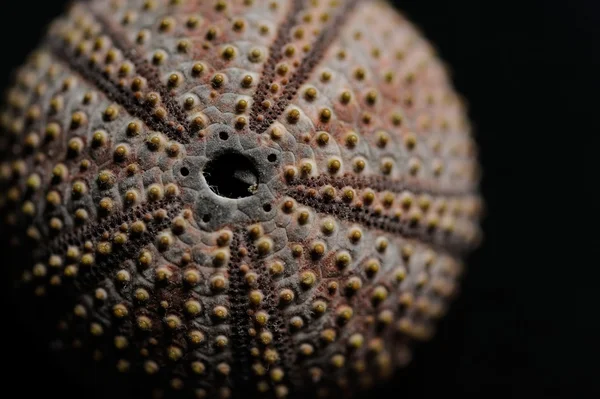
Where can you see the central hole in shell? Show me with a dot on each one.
(231, 175)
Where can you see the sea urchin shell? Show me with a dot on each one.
(242, 195)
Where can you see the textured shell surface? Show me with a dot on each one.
(236, 196)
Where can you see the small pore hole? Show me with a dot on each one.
(272, 158)
(184, 171)
(224, 135)
(267, 207)
(206, 218)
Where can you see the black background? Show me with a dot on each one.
(517, 328)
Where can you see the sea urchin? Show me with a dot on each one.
(242, 195)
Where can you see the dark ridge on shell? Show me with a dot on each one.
(281, 337)
(172, 126)
(148, 71)
(240, 304)
(283, 36)
(121, 95)
(377, 183)
(371, 219)
(309, 62)
(102, 268)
